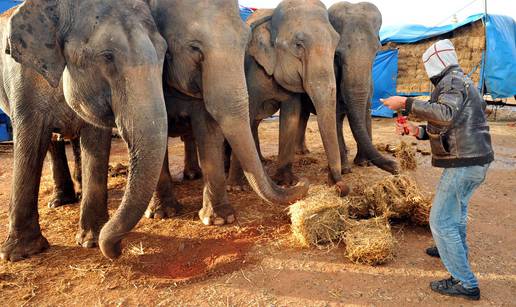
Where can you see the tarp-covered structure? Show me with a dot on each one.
(486, 46)
(5, 133)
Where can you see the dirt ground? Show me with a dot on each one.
(255, 261)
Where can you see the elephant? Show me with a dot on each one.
(290, 54)
(358, 26)
(205, 87)
(83, 76)
(66, 190)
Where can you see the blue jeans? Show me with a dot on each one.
(448, 219)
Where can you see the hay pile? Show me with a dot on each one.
(406, 156)
(404, 153)
(396, 197)
(469, 41)
(319, 218)
(369, 241)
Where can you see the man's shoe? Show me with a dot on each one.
(452, 287)
(432, 251)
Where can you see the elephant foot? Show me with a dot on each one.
(192, 173)
(302, 151)
(217, 215)
(16, 249)
(87, 238)
(238, 187)
(163, 208)
(285, 177)
(362, 161)
(342, 188)
(61, 198)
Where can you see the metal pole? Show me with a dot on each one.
(483, 87)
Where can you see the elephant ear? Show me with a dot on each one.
(33, 38)
(261, 47)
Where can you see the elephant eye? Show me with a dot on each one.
(108, 56)
(299, 45)
(195, 48)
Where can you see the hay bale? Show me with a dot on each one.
(469, 42)
(394, 197)
(406, 156)
(319, 218)
(421, 212)
(369, 241)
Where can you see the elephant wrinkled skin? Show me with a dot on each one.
(102, 60)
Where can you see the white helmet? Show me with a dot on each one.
(439, 56)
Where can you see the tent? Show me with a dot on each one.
(485, 44)
(5, 124)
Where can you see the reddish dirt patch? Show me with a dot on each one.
(195, 260)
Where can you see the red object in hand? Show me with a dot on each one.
(402, 120)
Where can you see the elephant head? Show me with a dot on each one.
(108, 57)
(295, 44)
(207, 40)
(358, 25)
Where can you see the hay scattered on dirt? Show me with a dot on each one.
(319, 218)
(369, 241)
(117, 178)
(118, 170)
(406, 156)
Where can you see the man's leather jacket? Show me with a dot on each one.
(457, 125)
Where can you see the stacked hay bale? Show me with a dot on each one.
(469, 42)
(324, 217)
(369, 241)
(320, 217)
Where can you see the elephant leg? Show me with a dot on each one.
(95, 147)
(227, 156)
(256, 136)
(346, 167)
(64, 192)
(236, 178)
(301, 148)
(361, 159)
(31, 140)
(77, 168)
(164, 203)
(289, 125)
(192, 169)
(215, 207)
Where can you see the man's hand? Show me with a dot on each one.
(394, 102)
(413, 129)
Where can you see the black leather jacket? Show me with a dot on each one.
(457, 125)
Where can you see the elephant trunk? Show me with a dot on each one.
(141, 118)
(320, 85)
(228, 103)
(355, 94)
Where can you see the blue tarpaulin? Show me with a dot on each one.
(500, 66)
(245, 12)
(385, 74)
(7, 4)
(415, 33)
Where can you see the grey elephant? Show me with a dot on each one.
(291, 53)
(206, 88)
(101, 60)
(67, 187)
(358, 25)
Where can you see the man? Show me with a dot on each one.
(461, 145)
